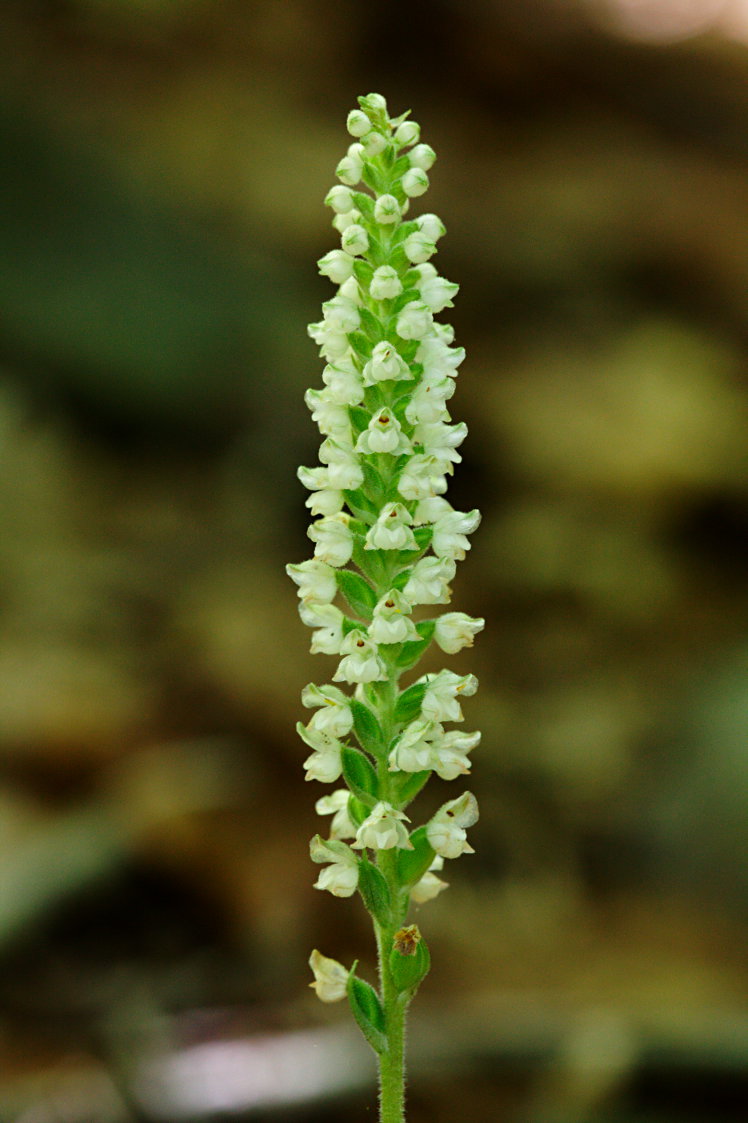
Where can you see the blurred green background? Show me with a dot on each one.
(164, 165)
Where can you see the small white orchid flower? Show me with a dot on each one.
(362, 662)
(340, 877)
(455, 630)
(336, 804)
(446, 831)
(383, 830)
(392, 530)
(330, 978)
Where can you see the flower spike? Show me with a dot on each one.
(386, 543)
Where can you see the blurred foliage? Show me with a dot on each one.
(160, 215)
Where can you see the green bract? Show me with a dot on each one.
(386, 543)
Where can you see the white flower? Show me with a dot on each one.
(341, 314)
(350, 168)
(437, 293)
(440, 702)
(385, 283)
(375, 105)
(313, 478)
(421, 477)
(383, 434)
(430, 885)
(415, 321)
(341, 222)
(344, 383)
(354, 240)
(450, 754)
(418, 248)
(341, 877)
(330, 978)
(455, 630)
(336, 804)
(336, 265)
(357, 123)
(316, 581)
(385, 365)
(340, 198)
(407, 133)
(351, 290)
(429, 581)
(390, 623)
(414, 749)
(328, 622)
(415, 182)
(332, 342)
(422, 156)
(325, 763)
(432, 226)
(431, 509)
(383, 830)
(392, 530)
(428, 398)
(436, 356)
(440, 440)
(333, 712)
(446, 830)
(343, 468)
(373, 143)
(450, 530)
(325, 501)
(331, 417)
(362, 662)
(386, 210)
(333, 539)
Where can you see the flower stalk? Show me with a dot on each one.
(386, 543)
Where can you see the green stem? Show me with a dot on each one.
(391, 1063)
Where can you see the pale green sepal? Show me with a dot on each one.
(367, 1010)
(359, 775)
(375, 892)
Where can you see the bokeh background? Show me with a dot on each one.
(164, 165)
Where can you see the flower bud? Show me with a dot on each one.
(415, 182)
(407, 133)
(415, 321)
(432, 226)
(355, 240)
(422, 156)
(373, 143)
(340, 198)
(386, 210)
(357, 123)
(385, 283)
(341, 222)
(337, 265)
(418, 247)
(351, 167)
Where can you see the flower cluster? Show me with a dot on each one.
(386, 540)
